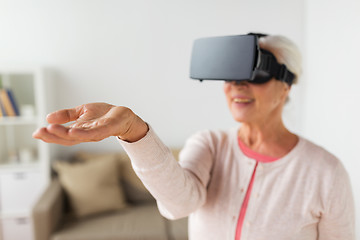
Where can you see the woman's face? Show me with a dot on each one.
(256, 103)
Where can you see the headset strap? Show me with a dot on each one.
(268, 63)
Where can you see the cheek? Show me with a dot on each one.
(267, 97)
(283, 92)
(227, 89)
(278, 96)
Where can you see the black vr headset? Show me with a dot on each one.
(236, 58)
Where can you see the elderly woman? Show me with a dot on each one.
(258, 181)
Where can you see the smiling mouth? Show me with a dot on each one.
(242, 100)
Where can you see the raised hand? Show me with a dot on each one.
(91, 123)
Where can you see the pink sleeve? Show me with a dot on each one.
(178, 188)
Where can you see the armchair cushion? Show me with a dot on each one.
(135, 223)
(92, 186)
(134, 190)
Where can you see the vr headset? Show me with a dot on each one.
(236, 58)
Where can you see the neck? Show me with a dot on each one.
(268, 138)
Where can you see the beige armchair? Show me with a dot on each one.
(48, 212)
(54, 219)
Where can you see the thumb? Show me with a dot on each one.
(64, 115)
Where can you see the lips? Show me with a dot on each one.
(242, 100)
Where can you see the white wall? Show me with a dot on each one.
(136, 53)
(332, 106)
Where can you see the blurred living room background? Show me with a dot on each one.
(61, 54)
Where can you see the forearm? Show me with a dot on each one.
(177, 190)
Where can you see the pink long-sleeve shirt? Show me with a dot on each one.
(304, 195)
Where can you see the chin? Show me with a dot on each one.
(241, 119)
(241, 116)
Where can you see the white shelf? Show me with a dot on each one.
(16, 167)
(15, 214)
(24, 161)
(18, 121)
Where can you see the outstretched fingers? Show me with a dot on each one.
(48, 137)
(80, 134)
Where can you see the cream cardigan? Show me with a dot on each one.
(305, 195)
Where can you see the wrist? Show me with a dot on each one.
(136, 132)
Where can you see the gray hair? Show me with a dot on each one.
(285, 51)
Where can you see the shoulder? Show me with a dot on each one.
(212, 141)
(320, 160)
(214, 137)
(317, 154)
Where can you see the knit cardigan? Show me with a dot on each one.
(304, 195)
